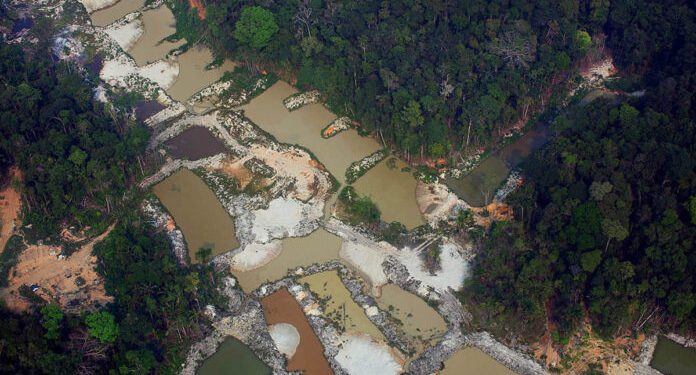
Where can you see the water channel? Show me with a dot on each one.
(478, 187)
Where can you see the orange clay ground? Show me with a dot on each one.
(198, 5)
(10, 204)
(70, 282)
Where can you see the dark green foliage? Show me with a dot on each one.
(75, 159)
(255, 27)
(153, 298)
(102, 326)
(609, 204)
(8, 257)
(357, 209)
(418, 71)
(51, 317)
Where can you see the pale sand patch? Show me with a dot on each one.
(126, 34)
(92, 5)
(360, 354)
(256, 255)
(283, 218)
(368, 260)
(286, 338)
(122, 70)
(454, 267)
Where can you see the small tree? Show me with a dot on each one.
(102, 326)
(51, 317)
(255, 27)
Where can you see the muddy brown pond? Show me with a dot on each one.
(109, 15)
(158, 24)
(197, 212)
(318, 247)
(281, 307)
(194, 143)
(193, 73)
(472, 361)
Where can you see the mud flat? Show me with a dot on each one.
(339, 306)
(233, 358)
(158, 24)
(394, 191)
(106, 16)
(194, 143)
(281, 307)
(303, 127)
(193, 75)
(472, 361)
(197, 212)
(318, 247)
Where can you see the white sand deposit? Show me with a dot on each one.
(451, 275)
(123, 72)
(256, 255)
(360, 355)
(368, 260)
(92, 5)
(126, 33)
(283, 218)
(286, 338)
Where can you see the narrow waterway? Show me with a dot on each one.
(197, 212)
(674, 359)
(109, 15)
(478, 187)
(233, 358)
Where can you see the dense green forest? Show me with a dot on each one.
(605, 226)
(77, 156)
(155, 313)
(431, 76)
(78, 159)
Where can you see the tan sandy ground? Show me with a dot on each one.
(10, 204)
(56, 278)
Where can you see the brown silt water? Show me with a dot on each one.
(197, 212)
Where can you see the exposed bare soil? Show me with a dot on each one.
(10, 205)
(71, 282)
